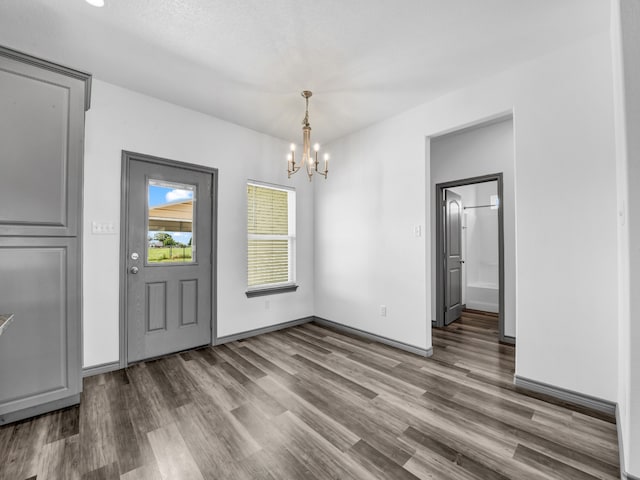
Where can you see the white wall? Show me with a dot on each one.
(483, 239)
(625, 36)
(119, 120)
(474, 152)
(367, 253)
(566, 284)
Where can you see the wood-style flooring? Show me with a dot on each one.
(313, 403)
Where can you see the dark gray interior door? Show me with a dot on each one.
(453, 256)
(169, 235)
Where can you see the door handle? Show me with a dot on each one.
(133, 270)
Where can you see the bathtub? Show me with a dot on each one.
(483, 296)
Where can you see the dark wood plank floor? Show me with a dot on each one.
(312, 403)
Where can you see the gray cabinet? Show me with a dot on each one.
(42, 109)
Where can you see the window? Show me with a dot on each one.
(271, 229)
(170, 222)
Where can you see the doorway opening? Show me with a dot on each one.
(167, 257)
(470, 250)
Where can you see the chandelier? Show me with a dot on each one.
(308, 160)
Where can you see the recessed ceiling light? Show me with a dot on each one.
(95, 3)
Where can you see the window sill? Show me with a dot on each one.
(259, 292)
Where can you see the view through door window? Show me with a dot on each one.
(170, 227)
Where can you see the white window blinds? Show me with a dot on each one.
(271, 235)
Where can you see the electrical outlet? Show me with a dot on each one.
(417, 230)
(383, 310)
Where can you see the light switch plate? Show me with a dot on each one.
(99, 228)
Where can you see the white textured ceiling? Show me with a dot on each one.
(246, 61)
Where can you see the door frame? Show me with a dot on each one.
(440, 231)
(127, 156)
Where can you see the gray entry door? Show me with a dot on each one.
(169, 235)
(453, 256)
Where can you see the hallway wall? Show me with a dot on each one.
(367, 252)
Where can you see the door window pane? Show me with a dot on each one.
(170, 227)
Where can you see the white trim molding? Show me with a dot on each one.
(624, 475)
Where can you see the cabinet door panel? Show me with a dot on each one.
(39, 355)
(41, 150)
(42, 107)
